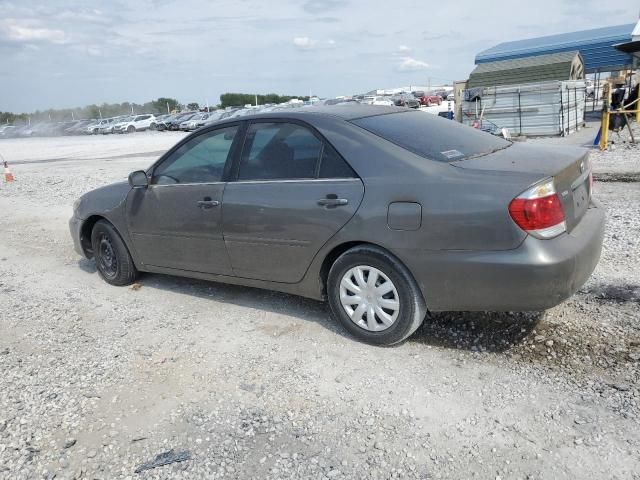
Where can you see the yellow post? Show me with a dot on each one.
(604, 132)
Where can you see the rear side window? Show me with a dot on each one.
(432, 137)
(333, 166)
(279, 151)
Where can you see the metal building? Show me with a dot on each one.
(596, 47)
(554, 66)
(545, 108)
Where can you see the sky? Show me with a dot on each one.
(71, 53)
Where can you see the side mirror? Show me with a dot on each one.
(138, 179)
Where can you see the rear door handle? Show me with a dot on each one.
(207, 203)
(332, 202)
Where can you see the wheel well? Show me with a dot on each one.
(85, 234)
(332, 257)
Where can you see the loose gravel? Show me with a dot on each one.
(98, 381)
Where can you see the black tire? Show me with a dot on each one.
(131, 129)
(113, 261)
(152, 126)
(412, 308)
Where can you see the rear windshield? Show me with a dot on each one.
(432, 137)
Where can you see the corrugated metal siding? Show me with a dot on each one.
(548, 108)
(595, 46)
(558, 71)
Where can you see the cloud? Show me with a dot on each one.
(321, 6)
(404, 49)
(304, 43)
(28, 31)
(408, 64)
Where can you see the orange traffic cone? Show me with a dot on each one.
(8, 176)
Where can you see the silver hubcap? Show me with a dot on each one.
(370, 298)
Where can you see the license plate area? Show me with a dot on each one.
(580, 200)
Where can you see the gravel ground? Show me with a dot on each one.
(244, 383)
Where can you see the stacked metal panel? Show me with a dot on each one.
(534, 109)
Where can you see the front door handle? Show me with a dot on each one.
(332, 202)
(206, 202)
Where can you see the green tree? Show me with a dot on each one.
(160, 105)
(193, 106)
(241, 99)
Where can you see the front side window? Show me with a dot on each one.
(200, 160)
(279, 151)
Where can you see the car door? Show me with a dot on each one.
(177, 222)
(292, 192)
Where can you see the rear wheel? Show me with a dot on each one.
(374, 296)
(113, 261)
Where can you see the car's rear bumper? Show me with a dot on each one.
(537, 275)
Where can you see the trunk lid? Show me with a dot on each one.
(568, 166)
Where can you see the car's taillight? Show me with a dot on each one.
(538, 211)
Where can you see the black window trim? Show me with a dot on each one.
(230, 159)
(323, 142)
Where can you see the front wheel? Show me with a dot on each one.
(131, 129)
(113, 261)
(374, 296)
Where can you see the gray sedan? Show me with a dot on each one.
(384, 212)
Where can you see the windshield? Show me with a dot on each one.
(432, 137)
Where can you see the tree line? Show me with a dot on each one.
(241, 99)
(160, 106)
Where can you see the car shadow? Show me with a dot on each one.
(474, 331)
(274, 302)
(88, 266)
(477, 331)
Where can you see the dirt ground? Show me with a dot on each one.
(97, 380)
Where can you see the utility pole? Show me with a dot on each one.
(168, 111)
(256, 99)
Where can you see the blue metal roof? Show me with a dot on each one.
(595, 46)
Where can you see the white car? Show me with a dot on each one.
(97, 126)
(382, 101)
(193, 122)
(136, 123)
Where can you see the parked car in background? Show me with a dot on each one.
(96, 127)
(214, 116)
(428, 99)
(78, 127)
(136, 123)
(160, 119)
(384, 101)
(366, 99)
(108, 128)
(405, 100)
(192, 123)
(163, 123)
(7, 131)
(174, 123)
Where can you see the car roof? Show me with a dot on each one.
(348, 111)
